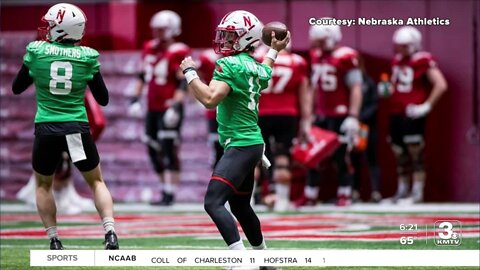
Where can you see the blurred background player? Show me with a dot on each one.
(206, 67)
(166, 86)
(337, 81)
(285, 101)
(61, 70)
(235, 89)
(368, 117)
(417, 86)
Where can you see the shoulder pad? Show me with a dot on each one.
(421, 56)
(178, 47)
(344, 52)
(32, 46)
(209, 55)
(298, 59)
(89, 51)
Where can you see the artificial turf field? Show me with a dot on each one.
(188, 227)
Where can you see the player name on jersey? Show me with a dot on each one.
(58, 51)
(220, 258)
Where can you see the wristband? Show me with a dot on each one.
(188, 69)
(190, 75)
(272, 54)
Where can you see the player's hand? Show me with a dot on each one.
(415, 111)
(187, 63)
(350, 126)
(305, 127)
(279, 45)
(135, 110)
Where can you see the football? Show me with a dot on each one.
(280, 32)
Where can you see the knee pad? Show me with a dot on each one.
(404, 166)
(170, 156)
(281, 170)
(417, 153)
(282, 175)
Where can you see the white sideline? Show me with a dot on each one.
(197, 207)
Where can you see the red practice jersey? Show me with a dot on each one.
(282, 95)
(160, 67)
(409, 80)
(328, 78)
(207, 60)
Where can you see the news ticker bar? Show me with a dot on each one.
(254, 258)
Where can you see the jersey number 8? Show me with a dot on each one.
(60, 84)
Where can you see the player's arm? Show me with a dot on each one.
(306, 105)
(22, 81)
(181, 90)
(439, 85)
(138, 88)
(276, 46)
(354, 82)
(135, 109)
(99, 89)
(209, 95)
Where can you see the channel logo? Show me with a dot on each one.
(448, 233)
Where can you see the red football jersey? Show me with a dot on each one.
(328, 78)
(207, 60)
(409, 80)
(160, 67)
(282, 95)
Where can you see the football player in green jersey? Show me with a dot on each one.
(61, 70)
(235, 88)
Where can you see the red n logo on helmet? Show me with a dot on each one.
(246, 21)
(60, 14)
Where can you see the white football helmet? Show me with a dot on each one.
(168, 20)
(65, 21)
(240, 29)
(410, 36)
(331, 33)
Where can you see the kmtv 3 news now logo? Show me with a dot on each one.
(448, 233)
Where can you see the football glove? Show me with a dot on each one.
(171, 118)
(415, 111)
(350, 126)
(135, 110)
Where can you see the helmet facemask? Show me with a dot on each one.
(226, 41)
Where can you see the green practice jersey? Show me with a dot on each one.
(60, 73)
(237, 113)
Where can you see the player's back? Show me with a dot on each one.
(60, 73)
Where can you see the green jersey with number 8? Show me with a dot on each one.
(237, 113)
(60, 73)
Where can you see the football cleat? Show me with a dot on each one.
(304, 201)
(376, 197)
(111, 240)
(55, 244)
(343, 200)
(167, 200)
